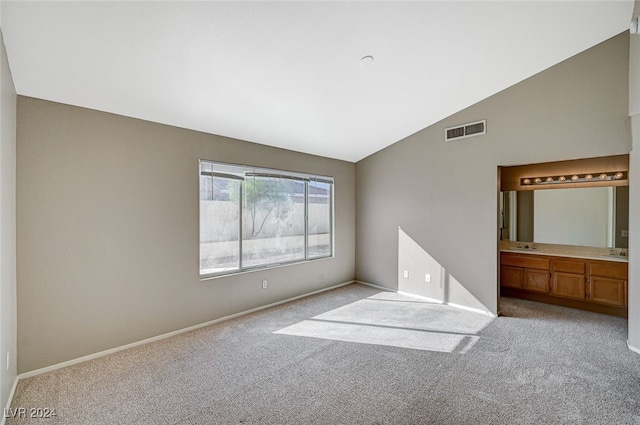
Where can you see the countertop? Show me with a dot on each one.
(616, 258)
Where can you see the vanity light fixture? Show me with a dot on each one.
(575, 178)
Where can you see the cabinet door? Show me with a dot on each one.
(511, 276)
(536, 280)
(568, 285)
(608, 291)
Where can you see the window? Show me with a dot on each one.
(252, 218)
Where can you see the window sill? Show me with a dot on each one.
(214, 276)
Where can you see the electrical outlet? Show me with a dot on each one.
(406, 273)
(264, 284)
(427, 278)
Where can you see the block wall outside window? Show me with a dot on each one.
(252, 218)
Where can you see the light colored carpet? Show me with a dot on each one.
(356, 355)
(395, 320)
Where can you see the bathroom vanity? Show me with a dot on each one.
(574, 216)
(593, 283)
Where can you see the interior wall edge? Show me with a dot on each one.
(8, 272)
(634, 236)
(373, 285)
(10, 398)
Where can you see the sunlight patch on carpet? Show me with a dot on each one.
(364, 334)
(396, 320)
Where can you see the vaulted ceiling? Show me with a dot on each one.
(289, 74)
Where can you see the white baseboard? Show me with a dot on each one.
(431, 300)
(382, 288)
(632, 348)
(422, 297)
(166, 335)
(475, 310)
(9, 400)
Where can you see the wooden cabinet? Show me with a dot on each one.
(526, 272)
(568, 285)
(608, 283)
(568, 279)
(608, 291)
(524, 260)
(596, 285)
(511, 276)
(536, 280)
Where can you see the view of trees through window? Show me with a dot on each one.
(252, 218)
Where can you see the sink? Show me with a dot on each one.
(616, 256)
(524, 249)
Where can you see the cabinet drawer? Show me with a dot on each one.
(528, 261)
(569, 266)
(608, 269)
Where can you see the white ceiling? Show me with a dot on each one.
(287, 74)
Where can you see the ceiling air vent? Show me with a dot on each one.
(465, 130)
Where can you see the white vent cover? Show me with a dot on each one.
(463, 131)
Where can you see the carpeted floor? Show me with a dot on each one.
(356, 355)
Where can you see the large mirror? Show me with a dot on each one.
(593, 216)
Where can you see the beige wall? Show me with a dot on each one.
(108, 231)
(444, 196)
(7, 227)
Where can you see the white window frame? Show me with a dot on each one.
(240, 173)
